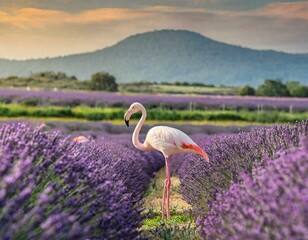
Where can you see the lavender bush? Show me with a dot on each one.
(103, 99)
(272, 204)
(133, 167)
(52, 188)
(229, 156)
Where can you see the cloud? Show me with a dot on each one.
(32, 33)
(32, 17)
(295, 10)
(75, 6)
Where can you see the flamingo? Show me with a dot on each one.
(80, 139)
(165, 139)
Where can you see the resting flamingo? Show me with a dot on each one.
(80, 139)
(165, 139)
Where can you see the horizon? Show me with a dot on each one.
(45, 29)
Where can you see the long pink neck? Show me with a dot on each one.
(135, 137)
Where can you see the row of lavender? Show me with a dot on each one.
(262, 193)
(52, 188)
(175, 102)
(271, 204)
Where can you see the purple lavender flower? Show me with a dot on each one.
(53, 188)
(272, 204)
(74, 98)
(230, 156)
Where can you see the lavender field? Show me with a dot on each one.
(153, 120)
(105, 99)
(255, 186)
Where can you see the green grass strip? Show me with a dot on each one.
(105, 114)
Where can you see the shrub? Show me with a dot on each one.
(103, 81)
(247, 91)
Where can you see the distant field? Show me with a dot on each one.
(174, 89)
(152, 101)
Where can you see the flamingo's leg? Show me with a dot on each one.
(168, 184)
(168, 198)
(164, 200)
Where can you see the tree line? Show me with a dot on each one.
(104, 81)
(276, 88)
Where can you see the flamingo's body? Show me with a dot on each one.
(170, 140)
(165, 139)
(80, 139)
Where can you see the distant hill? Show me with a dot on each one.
(172, 55)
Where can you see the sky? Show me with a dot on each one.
(48, 28)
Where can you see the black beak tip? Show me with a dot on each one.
(127, 123)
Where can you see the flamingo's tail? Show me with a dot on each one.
(197, 149)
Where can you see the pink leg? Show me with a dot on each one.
(168, 184)
(164, 200)
(168, 198)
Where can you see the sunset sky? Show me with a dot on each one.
(46, 28)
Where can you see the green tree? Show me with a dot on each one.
(273, 88)
(292, 85)
(247, 91)
(300, 91)
(103, 81)
(297, 90)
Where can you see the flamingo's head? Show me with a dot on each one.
(135, 107)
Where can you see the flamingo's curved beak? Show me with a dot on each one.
(125, 119)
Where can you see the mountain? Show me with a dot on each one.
(172, 55)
